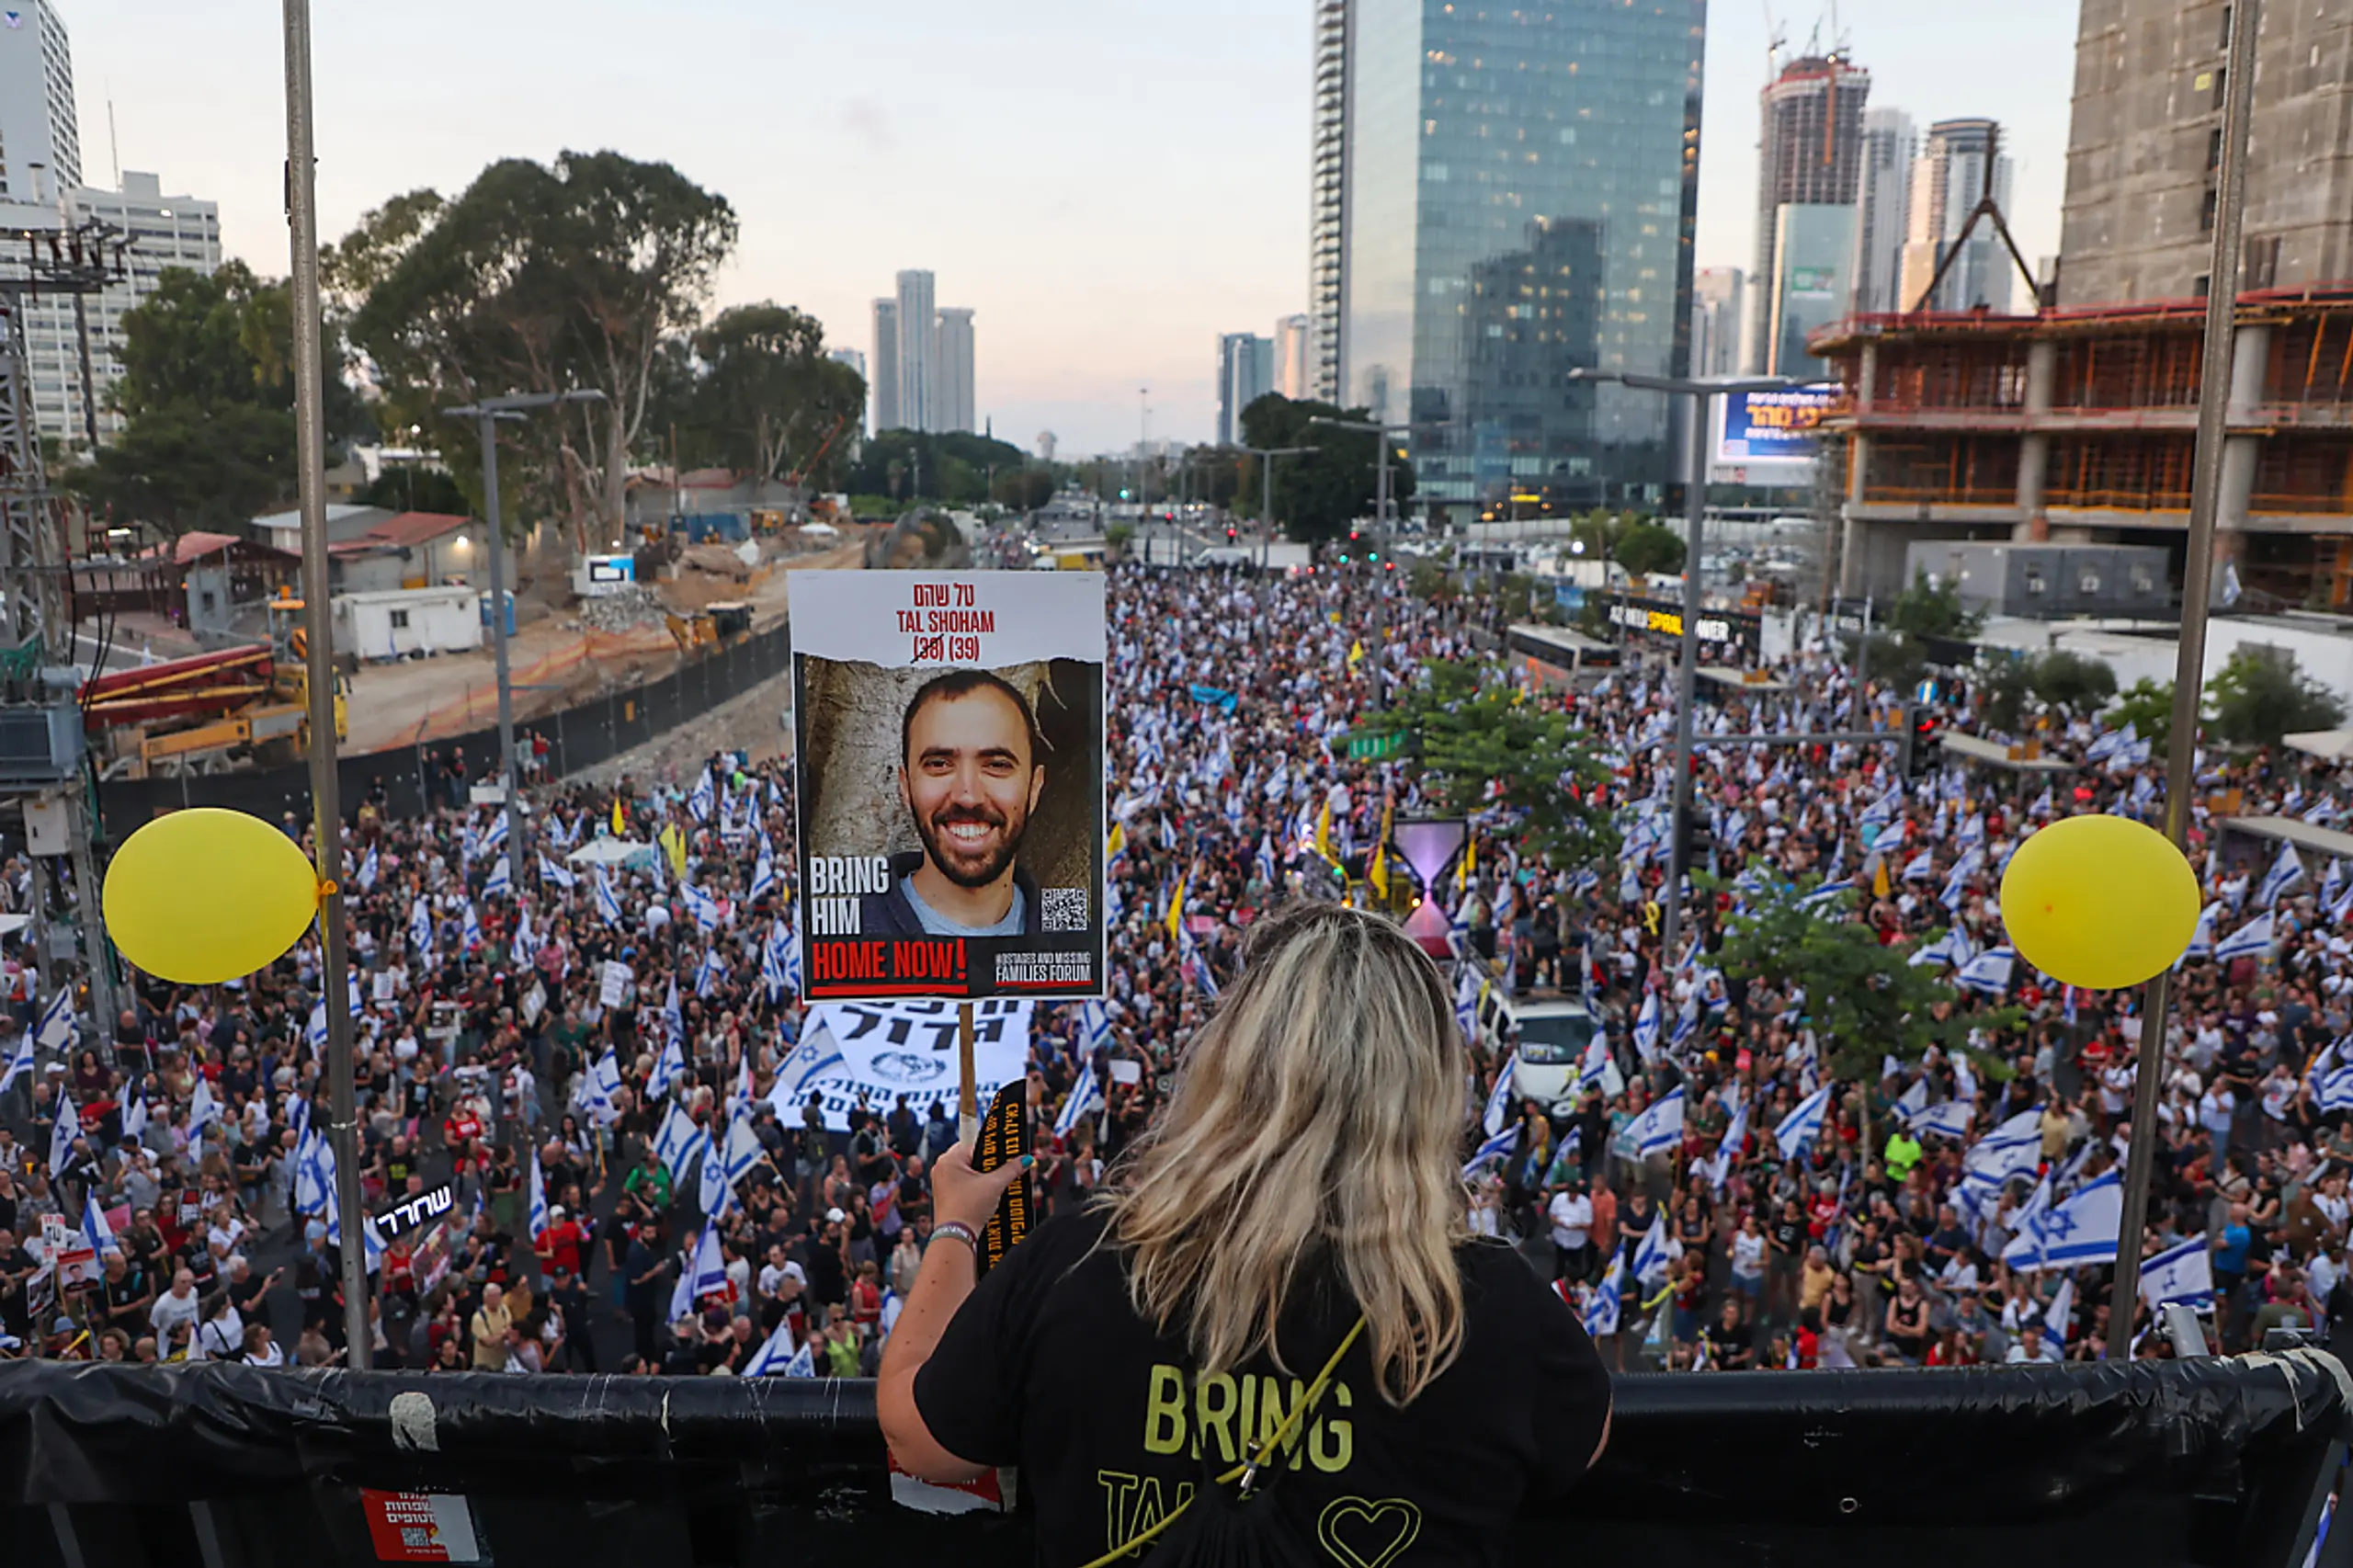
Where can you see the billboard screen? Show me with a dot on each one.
(1771, 434)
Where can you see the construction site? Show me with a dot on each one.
(2079, 425)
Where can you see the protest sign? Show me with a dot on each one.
(949, 750)
(880, 1051)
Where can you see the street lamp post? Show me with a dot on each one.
(1266, 456)
(486, 415)
(1687, 680)
(1381, 433)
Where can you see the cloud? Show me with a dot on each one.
(871, 123)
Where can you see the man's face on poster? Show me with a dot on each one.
(971, 782)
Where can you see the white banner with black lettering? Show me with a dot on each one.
(884, 1049)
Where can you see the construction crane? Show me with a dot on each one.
(200, 713)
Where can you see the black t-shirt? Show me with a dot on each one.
(1047, 1367)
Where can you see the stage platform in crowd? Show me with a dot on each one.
(2228, 1463)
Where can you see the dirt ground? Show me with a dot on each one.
(755, 720)
(457, 692)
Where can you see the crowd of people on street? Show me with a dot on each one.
(582, 1133)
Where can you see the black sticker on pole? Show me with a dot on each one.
(1004, 1137)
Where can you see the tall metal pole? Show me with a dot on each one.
(326, 811)
(2189, 666)
(1380, 539)
(1686, 678)
(507, 775)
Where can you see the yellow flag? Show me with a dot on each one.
(620, 824)
(1323, 830)
(1117, 845)
(1377, 874)
(1463, 867)
(1356, 655)
(674, 844)
(1176, 911)
(1879, 876)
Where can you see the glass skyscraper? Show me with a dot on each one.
(1520, 188)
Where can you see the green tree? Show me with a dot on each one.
(2005, 681)
(2260, 695)
(206, 393)
(1647, 550)
(413, 487)
(1319, 494)
(1025, 489)
(1478, 743)
(2076, 682)
(2148, 708)
(536, 278)
(1889, 660)
(767, 398)
(1932, 609)
(1863, 1000)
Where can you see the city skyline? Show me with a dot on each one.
(1028, 193)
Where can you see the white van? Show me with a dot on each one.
(1553, 1035)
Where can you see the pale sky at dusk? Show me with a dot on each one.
(1108, 186)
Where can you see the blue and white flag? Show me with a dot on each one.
(677, 1142)
(780, 960)
(1827, 897)
(557, 873)
(1498, 1147)
(2286, 871)
(1499, 1111)
(1957, 880)
(202, 1109)
(538, 1198)
(743, 1151)
(58, 1030)
(1920, 868)
(368, 871)
(705, 1272)
(815, 1057)
(763, 875)
(775, 1358)
(669, 1066)
(1095, 1026)
(501, 882)
(134, 1112)
(1989, 972)
(2201, 940)
(1084, 1099)
(1950, 1118)
(1646, 1027)
(710, 972)
(1595, 1067)
(522, 944)
(1736, 1134)
(313, 1175)
(19, 1063)
(609, 903)
(804, 1361)
(2060, 1312)
(1466, 1005)
(702, 907)
(420, 926)
(62, 1133)
(2183, 1273)
(717, 1194)
(699, 801)
(2081, 1229)
(599, 1084)
(1601, 1312)
(1652, 1257)
(94, 1228)
(1798, 1131)
(2252, 941)
(1661, 1127)
(498, 834)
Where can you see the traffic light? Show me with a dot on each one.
(1923, 732)
(1695, 836)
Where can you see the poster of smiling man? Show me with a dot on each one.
(948, 742)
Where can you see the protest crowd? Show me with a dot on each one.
(596, 1134)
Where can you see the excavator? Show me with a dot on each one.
(200, 713)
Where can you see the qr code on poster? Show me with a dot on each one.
(1063, 909)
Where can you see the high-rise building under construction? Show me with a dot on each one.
(1811, 156)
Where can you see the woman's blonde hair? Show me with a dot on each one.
(1315, 1133)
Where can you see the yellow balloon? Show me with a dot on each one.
(205, 895)
(2099, 902)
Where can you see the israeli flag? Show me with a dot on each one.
(1085, 1098)
(700, 906)
(2183, 1273)
(743, 1150)
(2286, 872)
(62, 1133)
(716, 1195)
(2249, 941)
(420, 926)
(521, 948)
(501, 883)
(94, 1228)
(710, 972)
(803, 1363)
(558, 873)
(669, 1066)
(1964, 1082)
(1601, 1312)
(371, 1242)
(19, 1064)
(313, 1173)
(202, 1109)
(677, 1142)
(2331, 884)
(538, 1192)
(741, 1100)
(705, 1273)
(1646, 1027)
(1799, 1130)
(470, 929)
(316, 1031)
(1827, 897)
(775, 1358)
(763, 875)
(1920, 868)
(2342, 909)
(1095, 1025)
(498, 834)
(1498, 1147)
(1596, 1064)
(1952, 1118)
(1989, 972)
(2060, 1312)
(1736, 1134)
(367, 868)
(58, 1030)
(1652, 1257)
(1499, 1111)
(1957, 880)
(1661, 1127)
(815, 1057)
(2081, 1229)
(780, 961)
(2109, 744)
(699, 801)
(134, 1112)
(2201, 940)
(609, 903)
(1466, 1005)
